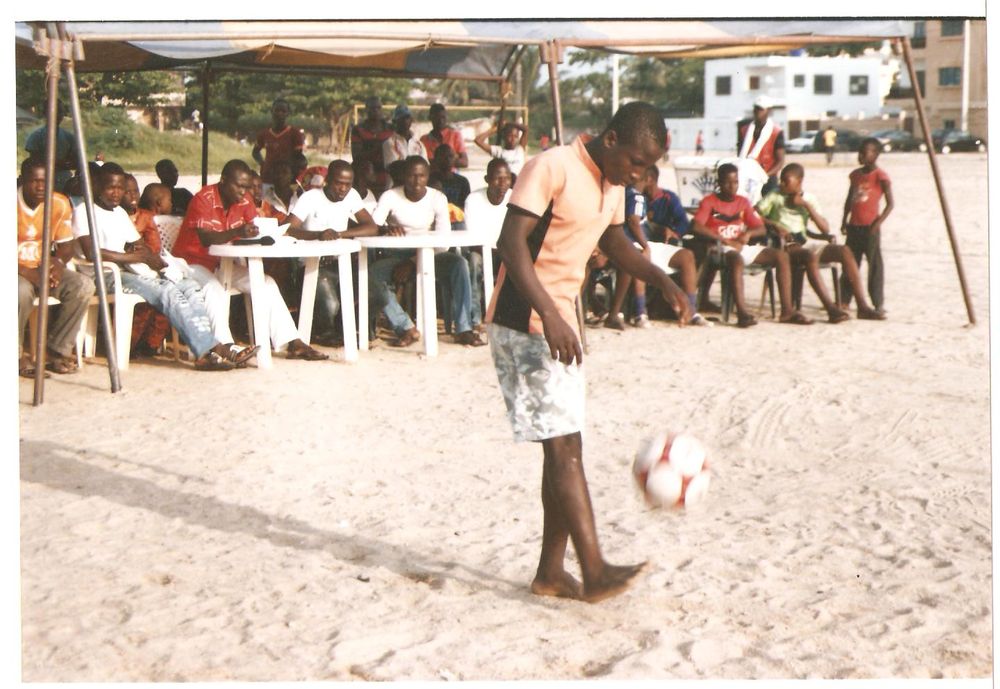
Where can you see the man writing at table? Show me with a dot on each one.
(218, 214)
(323, 214)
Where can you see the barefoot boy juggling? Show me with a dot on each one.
(566, 201)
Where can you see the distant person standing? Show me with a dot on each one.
(443, 133)
(179, 196)
(367, 138)
(760, 138)
(666, 146)
(699, 143)
(829, 143)
(65, 149)
(279, 141)
(402, 144)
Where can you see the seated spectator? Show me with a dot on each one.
(414, 208)
(71, 289)
(365, 183)
(313, 177)
(513, 140)
(454, 186)
(788, 211)
(730, 220)
(403, 143)
(149, 326)
(443, 134)
(145, 272)
(639, 231)
(484, 213)
(323, 214)
(180, 197)
(218, 214)
(280, 198)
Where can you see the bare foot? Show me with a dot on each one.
(614, 580)
(566, 586)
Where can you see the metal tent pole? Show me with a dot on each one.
(206, 78)
(88, 201)
(932, 156)
(42, 333)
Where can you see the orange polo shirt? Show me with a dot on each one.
(574, 204)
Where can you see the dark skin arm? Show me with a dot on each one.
(136, 252)
(887, 192)
(620, 250)
(365, 227)
(64, 254)
(513, 248)
(209, 237)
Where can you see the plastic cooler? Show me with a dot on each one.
(696, 178)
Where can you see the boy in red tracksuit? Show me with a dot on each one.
(862, 220)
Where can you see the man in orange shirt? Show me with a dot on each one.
(567, 200)
(442, 133)
(71, 289)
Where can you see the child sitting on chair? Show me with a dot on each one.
(729, 219)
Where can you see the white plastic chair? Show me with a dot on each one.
(122, 306)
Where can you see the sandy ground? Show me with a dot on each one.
(375, 521)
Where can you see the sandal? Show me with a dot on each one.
(241, 355)
(469, 339)
(797, 319)
(306, 353)
(745, 321)
(839, 316)
(61, 365)
(406, 339)
(26, 369)
(212, 362)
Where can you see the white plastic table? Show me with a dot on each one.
(426, 304)
(311, 251)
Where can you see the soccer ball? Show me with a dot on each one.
(672, 470)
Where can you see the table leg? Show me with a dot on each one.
(309, 280)
(362, 301)
(487, 275)
(262, 336)
(227, 273)
(347, 307)
(425, 274)
(420, 304)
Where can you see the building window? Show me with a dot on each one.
(949, 124)
(823, 84)
(859, 86)
(952, 27)
(950, 76)
(919, 39)
(754, 83)
(799, 81)
(723, 86)
(920, 81)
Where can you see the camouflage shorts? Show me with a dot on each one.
(544, 397)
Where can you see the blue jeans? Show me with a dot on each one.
(180, 302)
(448, 266)
(475, 260)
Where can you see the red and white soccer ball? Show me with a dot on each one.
(672, 470)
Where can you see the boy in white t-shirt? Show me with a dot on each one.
(484, 212)
(512, 149)
(323, 214)
(165, 286)
(414, 208)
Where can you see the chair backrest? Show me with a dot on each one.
(169, 226)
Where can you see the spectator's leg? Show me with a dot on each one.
(383, 297)
(74, 293)
(25, 303)
(456, 269)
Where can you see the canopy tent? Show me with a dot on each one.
(481, 50)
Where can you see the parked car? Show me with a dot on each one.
(899, 140)
(847, 140)
(802, 143)
(956, 140)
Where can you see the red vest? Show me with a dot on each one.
(766, 157)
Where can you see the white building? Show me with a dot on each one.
(806, 90)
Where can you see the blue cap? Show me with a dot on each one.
(400, 112)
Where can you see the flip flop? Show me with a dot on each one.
(470, 339)
(406, 339)
(212, 362)
(29, 371)
(745, 321)
(798, 319)
(839, 317)
(306, 353)
(61, 366)
(241, 355)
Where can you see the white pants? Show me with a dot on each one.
(279, 322)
